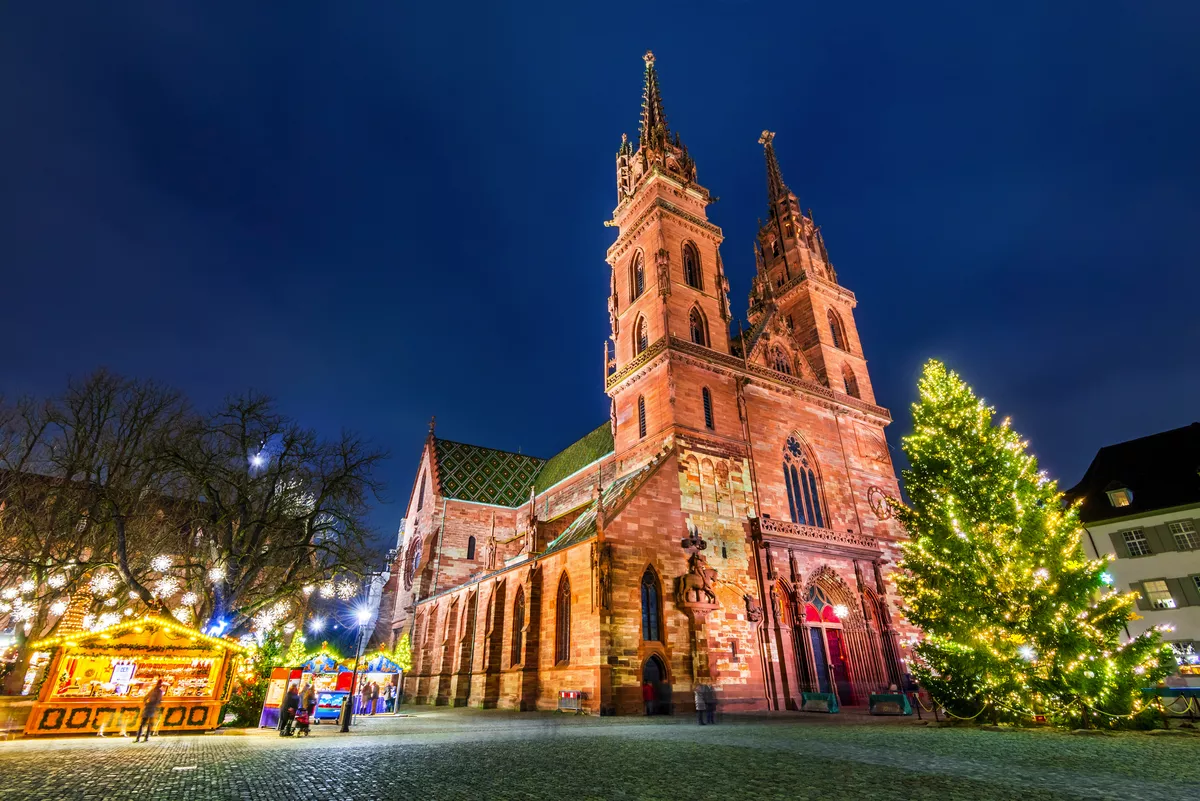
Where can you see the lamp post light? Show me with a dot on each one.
(362, 616)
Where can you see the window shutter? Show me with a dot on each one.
(1118, 542)
(1143, 603)
(1190, 591)
(1177, 592)
(1161, 540)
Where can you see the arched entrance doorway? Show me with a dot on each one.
(831, 660)
(654, 673)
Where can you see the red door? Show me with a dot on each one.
(837, 662)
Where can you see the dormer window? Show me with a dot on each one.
(1120, 497)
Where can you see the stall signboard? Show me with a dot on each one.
(96, 682)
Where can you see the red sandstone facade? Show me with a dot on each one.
(727, 527)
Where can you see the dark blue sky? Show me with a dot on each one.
(378, 213)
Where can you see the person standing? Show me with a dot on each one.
(150, 711)
(390, 698)
(287, 711)
(374, 696)
(308, 699)
(648, 697)
(701, 706)
(710, 704)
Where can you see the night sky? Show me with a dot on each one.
(380, 211)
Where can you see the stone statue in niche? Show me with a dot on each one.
(604, 576)
(775, 603)
(489, 553)
(754, 610)
(699, 583)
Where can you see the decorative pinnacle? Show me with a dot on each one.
(654, 131)
(776, 188)
(648, 58)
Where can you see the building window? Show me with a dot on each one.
(1185, 535)
(470, 548)
(641, 416)
(780, 361)
(413, 563)
(518, 636)
(691, 266)
(1196, 581)
(836, 331)
(641, 338)
(421, 493)
(698, 328)
(1135, 542)
(1120, 497)
(1158, 595)
(791, 324)
(708, 413)
(804, 500)
(651, 628)
(562, 633)
(850, 381)
(637, 277)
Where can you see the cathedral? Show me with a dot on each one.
(727, 526)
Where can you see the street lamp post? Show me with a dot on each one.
(362, 616)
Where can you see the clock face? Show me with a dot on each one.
(877, 499)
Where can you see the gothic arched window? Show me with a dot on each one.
(780, 361)
(836, 331)
(421, 493)
(691, 266)
(850, 381)
(413, 563)
(651, 628)
(698, 328)
(637, 277)
(708, 412)
(641, 336)
(800, 476)
(518, 635)
(562, 627)
(641, 416)
(471, 547)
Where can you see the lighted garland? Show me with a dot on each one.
(1016, 618)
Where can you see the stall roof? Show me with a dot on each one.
(74, 638)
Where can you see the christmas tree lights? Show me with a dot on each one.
(1016, 619)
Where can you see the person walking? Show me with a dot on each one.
(710, 704)
(389, 696)
(287, 711)
(648, 697)
(308, 699)
(150, 711)
(374, 696)
(701, 706)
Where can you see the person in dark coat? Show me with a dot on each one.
(374, 696)
(287, 711)
(701, 705)
(710, 704)
(150, 711)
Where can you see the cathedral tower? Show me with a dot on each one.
(667, 279)
(796, 281)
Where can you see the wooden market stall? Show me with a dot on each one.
(96, 680)
(381, 669)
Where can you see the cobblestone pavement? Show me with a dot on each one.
(468, 754)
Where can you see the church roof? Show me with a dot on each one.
(574, 457)
(486, 475)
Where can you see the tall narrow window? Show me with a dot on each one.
(780, 361)
(518, 636)
(850, 381)
(836, 332)
(637, 277)
(691, 266)
(562, 629)
(641, 338)
(708, 413)
(698, 329)
(651, 628)
(641, 416)
(421, 493)
(470, 548)
(800, 477)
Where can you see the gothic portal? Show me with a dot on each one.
(725, 526)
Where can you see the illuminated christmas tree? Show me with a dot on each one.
(1017, 620)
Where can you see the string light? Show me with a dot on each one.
(27, 585)
(102, 584)
(189, 599)
(56, 581)
(327, 590)
(161, 563)
(58, 607)
(216, 574)
(346, 590)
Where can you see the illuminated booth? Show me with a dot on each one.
(378, 668)
(96, 681)
(330, 680)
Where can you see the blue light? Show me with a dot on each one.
(1107, 578)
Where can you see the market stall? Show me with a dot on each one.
(330, 680)
(379, 669)
(96, 680)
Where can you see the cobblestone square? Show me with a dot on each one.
(466, 754)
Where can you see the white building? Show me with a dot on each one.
(1140, 501)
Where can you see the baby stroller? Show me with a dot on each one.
(303, 721)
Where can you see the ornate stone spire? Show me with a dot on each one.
(655, 133)
(776, 188)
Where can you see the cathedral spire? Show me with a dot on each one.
(654, 132)
(776, 188)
